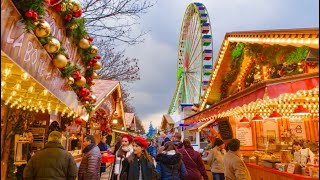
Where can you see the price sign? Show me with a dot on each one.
(225, 129)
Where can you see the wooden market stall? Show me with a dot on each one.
(46, 77)
(108, 113)
(264, 91)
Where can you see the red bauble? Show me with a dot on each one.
(78, 120)
(87, 98)
(68, 17)
(98, 57)
(90, 63)
(94, 61)
(53, 2)
(78, 13)
(57, 7)
(90, 39)
(76, 75)
(29, 13)
(84, 92)
(88, 79)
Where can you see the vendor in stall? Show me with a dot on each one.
(302, 155)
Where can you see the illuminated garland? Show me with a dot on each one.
(70, 11)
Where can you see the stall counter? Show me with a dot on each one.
(263, 173)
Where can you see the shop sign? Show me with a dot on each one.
(297, 129)
(244, 134)
(28, 53)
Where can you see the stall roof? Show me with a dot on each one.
(102, 89)
(168, 118)
(294, 37)
(129, 119)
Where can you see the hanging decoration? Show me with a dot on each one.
(71, 12)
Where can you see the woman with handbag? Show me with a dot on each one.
(193, 162)
(139, 165)
(215, 159)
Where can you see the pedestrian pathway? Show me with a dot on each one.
(106, 175)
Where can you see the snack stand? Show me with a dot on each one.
(264, 91)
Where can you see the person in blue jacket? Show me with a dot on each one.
(152, 149)
(103, 146)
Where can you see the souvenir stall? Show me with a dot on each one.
(264, 91)
(108, 115)
(47, 61)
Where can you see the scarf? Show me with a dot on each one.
(126, 148)
(88, 148)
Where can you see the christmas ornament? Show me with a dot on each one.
(77, 14)
(63, 7)
(97, 65)
(42, 29)
(57, 7)
(94, 49)
(94, 75)
(87, 103)
(74, 5)
(91, 83)
(81, 81)
(93, 99)
(76, 75)
(60, 61)
(88, 79)
(78, 120)
(73, 26)
(84, 43)
(67, 17)
(84, 92)
(90, 39)
(29, 13)
(52, 46)
(70, 80)
(98, 57)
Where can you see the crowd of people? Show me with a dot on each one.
(137, 158)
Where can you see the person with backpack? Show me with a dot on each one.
(192, 161)
(169, 163)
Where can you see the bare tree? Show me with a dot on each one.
(113, 20)
(117, 67)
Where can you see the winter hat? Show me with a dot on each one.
(128, 136)
(142, 141)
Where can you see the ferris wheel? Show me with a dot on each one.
(194, 62)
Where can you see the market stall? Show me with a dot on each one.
(264, 91)
(47, 62)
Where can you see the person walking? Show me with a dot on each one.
(193, 162)
(103, 146)
(118, 144)
(91, 161)
(234, 167)
(176, 139)
(164, 137)
(139, 165)
(123, 152)
(53, 162)
(169, 163)
(215, 159)
(152, 149)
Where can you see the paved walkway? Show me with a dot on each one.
(106, 175)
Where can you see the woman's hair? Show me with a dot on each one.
(144, 153)
(218, 142)
(168, 146)
(187, 143)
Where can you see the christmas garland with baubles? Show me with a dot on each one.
(70, 11)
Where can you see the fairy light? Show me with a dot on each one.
(25, 76)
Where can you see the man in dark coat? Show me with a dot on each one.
(51, 163)
(91, 161)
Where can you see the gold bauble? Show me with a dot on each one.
(94, 49)
(97, 66)
(70, 80)
(60, 61)
(52, 46)
(94, 75)
(63, 7)
(93, 99)
(87, 103)
(93, 83)
(84, 43)
(74, 5)
(73, 26)
(81, 82)
(42, 29)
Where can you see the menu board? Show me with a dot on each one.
(244, 134)
(225, 129)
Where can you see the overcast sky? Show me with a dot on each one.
(158, 54)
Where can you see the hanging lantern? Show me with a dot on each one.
(275, 115)
(300, 110)
(97, 66)
(42, 29)
(84, 43)
(257, 117)
(60, 61)
(94, 49)
(81, 81)
(52, 46)
(244, 120)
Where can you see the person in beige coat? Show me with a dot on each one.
(215, 159)
(234, 167)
